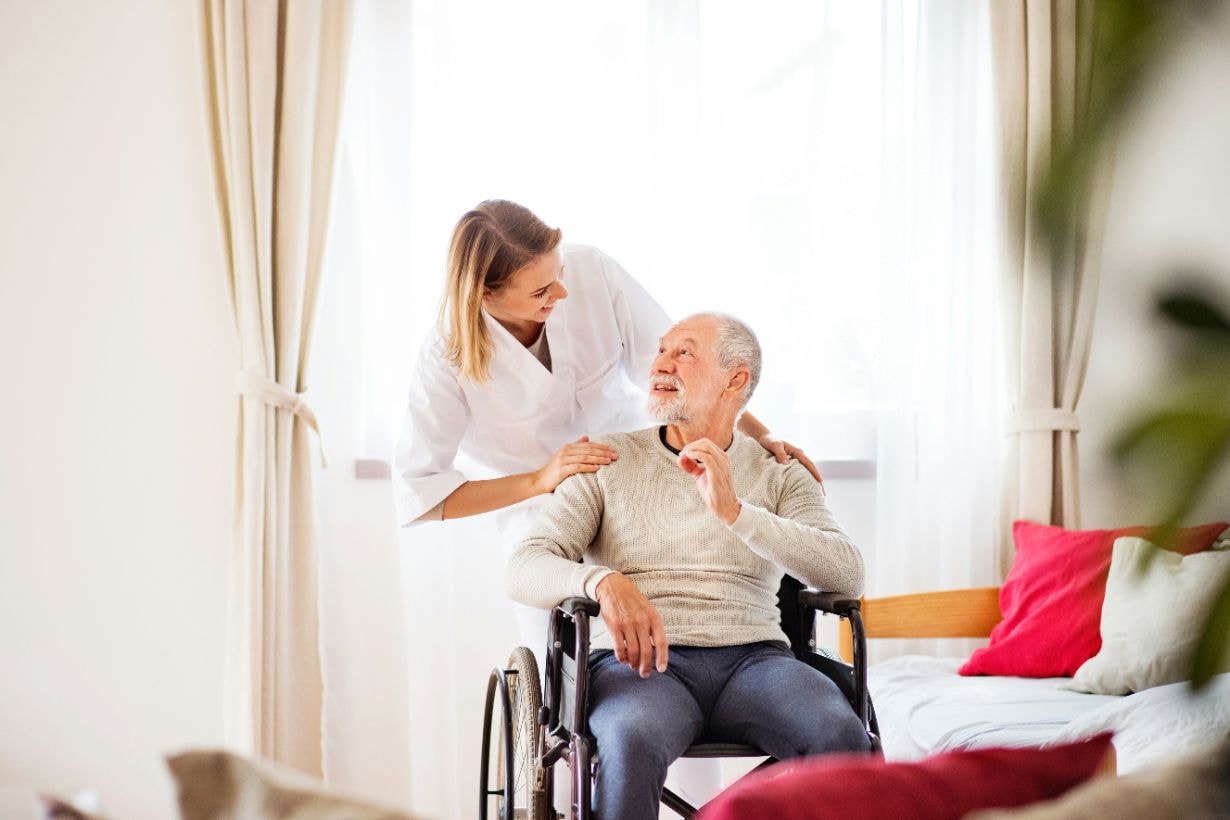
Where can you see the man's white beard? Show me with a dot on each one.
(669, 411)
(668, 408)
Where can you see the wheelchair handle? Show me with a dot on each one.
(829, 602)
(570, 606)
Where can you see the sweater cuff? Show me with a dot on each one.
(745, 525)
(595, 578)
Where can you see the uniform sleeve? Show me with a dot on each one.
(803, 537)
(545, 568)
(641, 320)
(437, 417)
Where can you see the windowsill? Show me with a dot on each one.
(843, 469)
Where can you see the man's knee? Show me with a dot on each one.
(645, 727)
(828, 721)
(797, 709)
(655, 721)
(836, 730)
(635, 739)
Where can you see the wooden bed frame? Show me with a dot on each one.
(954, 613)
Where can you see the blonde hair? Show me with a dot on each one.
(491, 242)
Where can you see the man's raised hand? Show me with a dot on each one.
(710, 466)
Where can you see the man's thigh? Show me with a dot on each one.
(636, 712)
(776, 702)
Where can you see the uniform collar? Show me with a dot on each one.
(521, 361)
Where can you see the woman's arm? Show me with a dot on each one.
(754, 429)
(751, 426)
(485, 495)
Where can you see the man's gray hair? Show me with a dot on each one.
(735, 345)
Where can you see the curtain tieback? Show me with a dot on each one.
(253, 385)
(1042, 421)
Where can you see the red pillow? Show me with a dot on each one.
(949, 785)
(1052, 598)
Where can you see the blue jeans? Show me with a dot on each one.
(757, 694)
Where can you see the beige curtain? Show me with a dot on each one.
(1043, 53)
(276, 76)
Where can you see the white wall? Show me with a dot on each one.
(117, 409)
(1169, 209)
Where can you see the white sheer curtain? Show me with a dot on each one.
(728, 158)
(938, 380)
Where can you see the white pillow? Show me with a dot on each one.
(1152, 617)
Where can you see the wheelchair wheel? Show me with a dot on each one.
(513, 785)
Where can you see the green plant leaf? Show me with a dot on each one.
(1190, 435)
(1180, 449)
(1211, 649)
(1191, 310)
(1130, 39)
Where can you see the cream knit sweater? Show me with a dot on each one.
(713, 584)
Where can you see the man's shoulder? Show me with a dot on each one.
(636, 454)
(642, 440)
(750, 457)
(639, 452)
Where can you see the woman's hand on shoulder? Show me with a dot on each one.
(783, 451)
(580, 456)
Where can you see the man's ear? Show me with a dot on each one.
(738, 380)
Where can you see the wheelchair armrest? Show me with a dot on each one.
(570, 606)
(567, 667)
(829, 602)
(850, 609)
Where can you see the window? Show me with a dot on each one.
(728, 160)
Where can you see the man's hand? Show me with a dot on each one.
(634, 624)
(710, 466)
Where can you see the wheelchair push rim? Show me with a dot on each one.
(512, 783)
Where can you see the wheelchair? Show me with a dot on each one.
(526, 730)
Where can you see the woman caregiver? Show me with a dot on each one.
(538, 346)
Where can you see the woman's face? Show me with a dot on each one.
(531, 293)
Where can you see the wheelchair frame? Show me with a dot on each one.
(563, 719)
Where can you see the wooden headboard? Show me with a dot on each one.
(954, 613)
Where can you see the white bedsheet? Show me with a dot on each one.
(924, 707)
(1159, 724)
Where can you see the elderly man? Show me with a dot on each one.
(685, 538)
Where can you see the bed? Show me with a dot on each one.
(925, 707)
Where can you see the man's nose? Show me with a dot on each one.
(662, 363)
